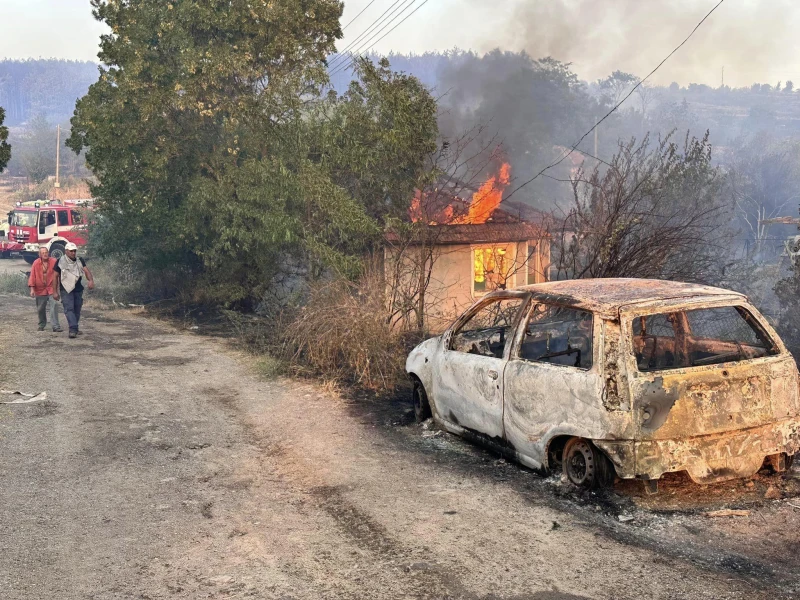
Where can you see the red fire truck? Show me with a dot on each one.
(45, 224)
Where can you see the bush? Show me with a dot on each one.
(123, 282)
(342, 334)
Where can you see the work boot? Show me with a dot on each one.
(73, 334)
(57, 330)
(41, 327)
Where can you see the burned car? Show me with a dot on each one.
(625, 377)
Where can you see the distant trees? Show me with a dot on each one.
(37, 149)
(5, 148)
(763, 174)
(617, 85)
(43, 86)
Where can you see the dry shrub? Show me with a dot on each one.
(342, 333)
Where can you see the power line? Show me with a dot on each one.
(362, 43)
(385, 23)
(616, 106)
(358, 15)
(377, 22)
(352, 60)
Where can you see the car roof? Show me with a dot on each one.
(607, 296)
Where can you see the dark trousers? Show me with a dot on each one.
(72, 301)
(41, 308)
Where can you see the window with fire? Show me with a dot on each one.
(492, 268)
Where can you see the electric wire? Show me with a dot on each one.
(377, 22)
(358, 15)
(371, 43)
(615, 107)
(386, 22)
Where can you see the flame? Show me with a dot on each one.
(487, 198)
(415, 210)
(484, 202)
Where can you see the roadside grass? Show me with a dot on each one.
(268, 367)
(14, 283)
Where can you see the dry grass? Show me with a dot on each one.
(14, 283)
(342, 334)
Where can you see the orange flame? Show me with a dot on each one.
(487, 198)
(484, 202)
(415, 210)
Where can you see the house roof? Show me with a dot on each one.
(607, 296)
(483, 233)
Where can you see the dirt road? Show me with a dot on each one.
(160, 467)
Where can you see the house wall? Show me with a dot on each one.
(451, 289)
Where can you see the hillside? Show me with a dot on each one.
(46, 87)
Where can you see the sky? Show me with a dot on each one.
(754, 40)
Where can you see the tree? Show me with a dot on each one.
(654, 213)
(37, 149)
(616, 85)
(217, 154)
(5, 148)
(789, 87)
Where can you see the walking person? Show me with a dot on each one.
(69, 274)
(41, 282)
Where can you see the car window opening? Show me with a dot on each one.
(488, 330)
(698, 337)
(559, 336)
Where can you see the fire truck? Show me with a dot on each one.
(48, 224)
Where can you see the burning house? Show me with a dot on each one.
(460, 249)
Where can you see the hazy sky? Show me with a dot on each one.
(756, 40)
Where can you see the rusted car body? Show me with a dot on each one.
(648, 376)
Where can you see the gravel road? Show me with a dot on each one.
(160, 467)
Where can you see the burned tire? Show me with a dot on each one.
(585, 466)
(57, 250)
(422, 408)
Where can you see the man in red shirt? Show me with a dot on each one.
(41, 283)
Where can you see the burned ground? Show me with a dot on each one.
(161, 468)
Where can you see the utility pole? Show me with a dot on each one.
(595, 139)
(58, 157)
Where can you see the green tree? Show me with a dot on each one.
(216, 152)
(5, 148)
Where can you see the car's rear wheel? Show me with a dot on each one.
(585, 466)
(422, 408)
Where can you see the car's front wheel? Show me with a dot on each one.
(422, 408)
(585, 466)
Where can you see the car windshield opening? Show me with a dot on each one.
(693, 338)
(488, 330)
(24, 219)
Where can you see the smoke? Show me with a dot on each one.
(754, 41)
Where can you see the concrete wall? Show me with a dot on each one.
(450, 290)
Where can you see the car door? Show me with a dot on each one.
(468, 383)
(552, 380)
(48, 227)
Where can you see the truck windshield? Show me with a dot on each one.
(23, 219)
(693, 338)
